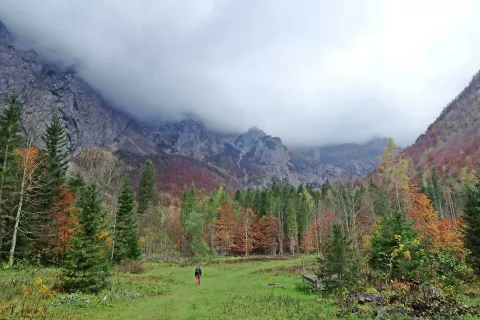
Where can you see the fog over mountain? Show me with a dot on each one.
(312, 72)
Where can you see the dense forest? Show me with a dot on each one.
(397, 227)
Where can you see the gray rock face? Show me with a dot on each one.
(42, 88)
(90, 121)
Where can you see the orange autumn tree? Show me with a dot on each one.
(310, 238)
(423, 215)
(224, 228)
(450, 236)
(30, 158)
(246, 235)
(64, 220)
(437, 234)
(268, 234)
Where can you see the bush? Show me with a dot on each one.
(132, 266)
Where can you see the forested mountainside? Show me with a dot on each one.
(452, 142)
(250, 158)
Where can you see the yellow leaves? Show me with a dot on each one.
(401, 247)
(102, 235)
(141, 242)
(42, 311)
(407, 255)
(39, 281)
(367, 243)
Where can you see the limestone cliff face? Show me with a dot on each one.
(250, 158)
(89, 120)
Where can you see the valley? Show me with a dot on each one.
(126, 163)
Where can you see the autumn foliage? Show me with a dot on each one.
(64, 220)
(438, 234)
(224, 230)
(246, 235)
(268, 234)
(29, 155)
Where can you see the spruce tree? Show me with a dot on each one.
(56, 153)
(55, 158)
(147, 191)
(10, 140)
(85, 266)
(239, 196)
(125, 236)
(292, 224)
(193, 223)
(76, 184)
(337, 268)
(471, 217)
(392, 238)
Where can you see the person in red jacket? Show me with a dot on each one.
(198, 273)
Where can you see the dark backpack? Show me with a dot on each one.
(198, 271)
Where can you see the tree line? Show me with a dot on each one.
(50, 217)
(395, 222)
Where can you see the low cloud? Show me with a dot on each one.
(312, 72)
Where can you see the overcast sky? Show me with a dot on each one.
(309, 71)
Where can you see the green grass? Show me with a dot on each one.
(230, 289)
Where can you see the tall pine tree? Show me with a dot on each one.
(147, 190)
(85, 264)
(56, 153)
(10, 140)
(125, 245)
(193, 223)
(338, 269)
(55, 158)
(471, 217)
(292, 224)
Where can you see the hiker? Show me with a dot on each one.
(198, 273)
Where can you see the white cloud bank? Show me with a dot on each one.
(309, 71)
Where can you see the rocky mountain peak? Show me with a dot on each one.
(254, 131)
(5, 35)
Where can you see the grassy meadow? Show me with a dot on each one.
(232, 288)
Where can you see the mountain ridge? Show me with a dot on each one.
(251, 158)
(452, 141)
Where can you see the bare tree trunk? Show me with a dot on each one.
(19, 209)
(2, 182)
(113, 240)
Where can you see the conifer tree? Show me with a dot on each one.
(147, 191)
(338, 269)
(10, 140)
(125, 245)
(292, 224)
(76, 184)
(193, 223)
(394, 246)
(85, 264)
(239, 196)
(471, 218)
(55, 159)
(56, 152)
(210, 215)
